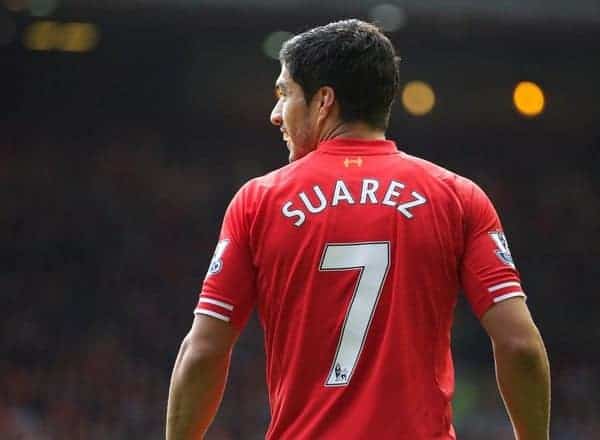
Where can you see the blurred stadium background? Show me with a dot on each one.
(127, 125)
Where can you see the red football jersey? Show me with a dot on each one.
(354, 256)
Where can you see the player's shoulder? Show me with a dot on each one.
(256, 192)
(473, 200)
(257, 187)
(458, 184)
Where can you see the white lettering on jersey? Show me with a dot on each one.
(216, 264)
(369, 186)
(309, 205)
(391, 192)
(294, 213)
(341, 193)
(404, 207)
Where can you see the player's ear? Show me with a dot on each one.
(327, 97)
(326, 101)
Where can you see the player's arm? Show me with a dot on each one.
(199, 378)
(493, 287)
(226, 299)
(522, 368)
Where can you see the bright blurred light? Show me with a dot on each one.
(418, 98)
(529, 99)
(41, 35)
(389, 17)
(79, 37)
(272, 43)
(15, 5)
(42, 8)
(67, 37)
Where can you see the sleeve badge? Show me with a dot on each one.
(216, 264)
(502, 249)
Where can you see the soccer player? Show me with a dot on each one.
(353, 255)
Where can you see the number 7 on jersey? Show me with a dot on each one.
(373, 261)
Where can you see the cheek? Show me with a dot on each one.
(292, 114)
(287, 111)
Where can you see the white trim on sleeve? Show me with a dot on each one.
(503, 285)
(217, 303)
(213, 314)
(508, 295)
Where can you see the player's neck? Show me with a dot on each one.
(355, 130)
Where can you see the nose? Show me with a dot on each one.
(276, 118)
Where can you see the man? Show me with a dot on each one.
(353, 255)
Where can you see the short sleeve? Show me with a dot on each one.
(228, 291)
(488, 273)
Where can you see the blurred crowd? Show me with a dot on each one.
(105, 242)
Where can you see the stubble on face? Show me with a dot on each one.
(293, 116)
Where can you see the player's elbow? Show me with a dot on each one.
(525, 349)
(521, 346)
(202, 350)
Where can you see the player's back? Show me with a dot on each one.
(357, 248)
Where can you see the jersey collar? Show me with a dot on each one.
(357, 146)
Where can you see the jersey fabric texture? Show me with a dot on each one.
(353, 257)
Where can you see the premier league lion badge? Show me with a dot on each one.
(502, 250)
(216, 264)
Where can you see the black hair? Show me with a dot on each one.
(354, 58)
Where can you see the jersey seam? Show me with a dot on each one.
(359, 153)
